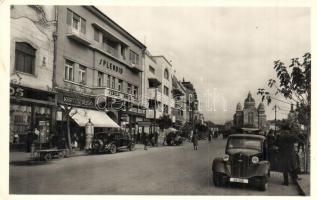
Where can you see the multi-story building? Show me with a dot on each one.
(191, 101)
(32, 101)
(98, 63)
(158, 73)
(179, 95)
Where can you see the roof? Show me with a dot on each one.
(248, 135)
(116, 26)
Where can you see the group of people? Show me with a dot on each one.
(288, 157)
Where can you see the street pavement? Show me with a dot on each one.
(177, 170)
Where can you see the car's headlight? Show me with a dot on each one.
(226, 158)
(255, 159)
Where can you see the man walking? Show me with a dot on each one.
(285, 142)
(195, 141)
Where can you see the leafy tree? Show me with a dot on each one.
(164, 122)
(294, 83)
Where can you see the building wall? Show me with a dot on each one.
(91, 54)
(28, 25)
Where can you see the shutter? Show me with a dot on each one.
(69, 17)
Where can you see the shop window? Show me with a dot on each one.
(100, 79)
(69, 70)
(82, 74)
(166, 74)
(24, 57)
(76, 22)
(134, 58)
(166, 91)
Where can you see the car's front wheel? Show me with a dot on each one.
(113, 149)
(219, 179)
(131, 147)
(263, 183)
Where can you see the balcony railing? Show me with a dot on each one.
(76, 35)
(109, 49)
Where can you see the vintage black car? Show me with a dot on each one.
(111, 142)
(174, 138)
(245, 161)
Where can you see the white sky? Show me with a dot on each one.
(223, 51)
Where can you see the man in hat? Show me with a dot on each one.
(285, 142)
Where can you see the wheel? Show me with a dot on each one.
(113, 149)
(47, 157)
(262, 184)
(131, 147)
(61, 155)
(219, 179)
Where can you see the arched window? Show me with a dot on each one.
(166, 74)
(24, 57)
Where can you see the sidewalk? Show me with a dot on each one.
(304, 184)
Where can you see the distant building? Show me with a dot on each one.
(250, 116)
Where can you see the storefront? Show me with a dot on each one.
(81, 109)
(30, 109)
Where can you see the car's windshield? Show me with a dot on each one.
(244, 143)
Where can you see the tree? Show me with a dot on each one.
(164, 122)
(294, 84)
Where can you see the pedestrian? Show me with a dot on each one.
(156, 134)
(29, 140)
(164, 138)
(195, 141)
(145, 139)
(285, 142)
(209, 136)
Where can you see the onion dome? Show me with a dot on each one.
(249, 101)
(239, 107)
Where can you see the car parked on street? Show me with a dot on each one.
(174, 138)
(245, 161)
(111, 142)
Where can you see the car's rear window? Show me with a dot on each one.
(244, 143)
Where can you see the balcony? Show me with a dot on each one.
(177, 114)
(151, 94)
(115, 94)
(78, 36)
(150, 114)
(109, 49)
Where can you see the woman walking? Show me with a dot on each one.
(195, 141)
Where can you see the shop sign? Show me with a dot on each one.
(105, 63)
(79, 101)
(120, 95)
(136, 110)
(16, 91)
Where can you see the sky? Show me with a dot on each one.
(224, 51)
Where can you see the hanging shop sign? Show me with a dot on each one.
(76, 100)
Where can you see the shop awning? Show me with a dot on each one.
(98, 118)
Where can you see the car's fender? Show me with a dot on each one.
(218, 165)
(260, 169)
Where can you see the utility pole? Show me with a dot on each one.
(275, 108)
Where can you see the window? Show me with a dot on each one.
(134, 58)
(250, 118)
(96, 35)
(123, 52)
(166, 92)
(100, 79)
(69, 70)
(129, 90)
(113, 83)
(166, 74)
(108, 81)
(165, 109)
(151, 104)
(135, 91)
(75, 21)
(120, 85)
(24, 57)
(82, 74)
(151, 69)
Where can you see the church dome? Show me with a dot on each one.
(239, 107)
(249, 101)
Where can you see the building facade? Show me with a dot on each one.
(32, 101)
(249, 116)
(98, 65)
(179, 95)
